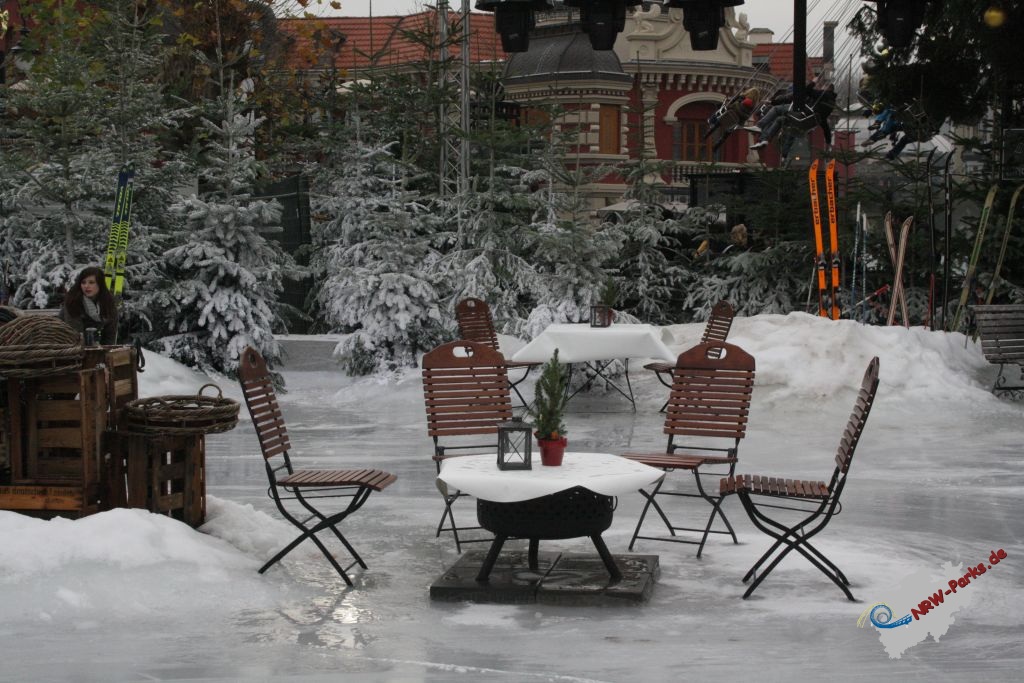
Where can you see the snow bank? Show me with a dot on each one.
(805, 356)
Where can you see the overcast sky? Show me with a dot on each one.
(774, 14)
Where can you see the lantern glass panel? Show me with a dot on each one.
(515, 440)
(601, 315)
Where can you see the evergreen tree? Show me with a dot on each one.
(91, 102)
(650, 264)
(373, 250)
(569, 251)
(227, 275)
(486, 253)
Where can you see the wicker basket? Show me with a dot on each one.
(36, 346)
(182, 414)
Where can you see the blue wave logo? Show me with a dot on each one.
(881, 616)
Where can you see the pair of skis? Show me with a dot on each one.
(828, 287)
(898, 253)
(1002, 249)
(972, 262)
(117, 238)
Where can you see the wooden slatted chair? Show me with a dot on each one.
(302, 486)
(708, 407)
(476, 324)
(817, 501)
(1001, 328)
(466, 392)
(716, 330)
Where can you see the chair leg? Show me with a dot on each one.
(533, 554)
(324, 522)
(667, 384)
(357, 502)
(792, 539)
(310, 534)
(716, 509)
(643, 514)
(514, 386)
(448, 502)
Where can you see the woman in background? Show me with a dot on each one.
(90, 304)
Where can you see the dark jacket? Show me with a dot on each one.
(106, 330)
(823, 103)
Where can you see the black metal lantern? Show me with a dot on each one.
(703, 19)
(601, 315)
(515, 438)
(514, 19)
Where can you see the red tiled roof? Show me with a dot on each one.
(386, 38)
(780, 60)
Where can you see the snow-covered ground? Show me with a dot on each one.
(127, 595)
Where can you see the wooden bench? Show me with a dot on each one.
(1001, 330)
(716, 330)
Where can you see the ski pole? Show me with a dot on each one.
(878, 292)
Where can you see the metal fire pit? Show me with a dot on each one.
(571, 513)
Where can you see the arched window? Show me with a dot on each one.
(690, 141)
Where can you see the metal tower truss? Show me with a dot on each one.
(454, 115)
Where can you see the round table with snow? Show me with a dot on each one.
(547, 503)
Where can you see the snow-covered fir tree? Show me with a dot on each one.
(650, 265)
(375, 260)
(94, 102)
(226, 273)
(486, 253)
(569, 251)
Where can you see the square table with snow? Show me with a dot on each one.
(572, 500)
(597, 348)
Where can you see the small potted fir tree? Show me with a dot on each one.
(548, 411)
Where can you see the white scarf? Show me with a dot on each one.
(92, 309)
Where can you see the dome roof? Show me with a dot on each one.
(561, 53)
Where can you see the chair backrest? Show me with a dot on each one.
(719, 323)
(1001, 328)
(465, 387)
(258, 389)
(711, 390)
(854, 428)
(475, 322)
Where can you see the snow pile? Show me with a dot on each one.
(805, 356)
(125, 563)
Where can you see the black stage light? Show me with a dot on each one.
(513, 19)
(703, 19)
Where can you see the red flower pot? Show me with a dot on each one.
(551, 451)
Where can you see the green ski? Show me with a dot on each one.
(1002, 248)
(972, 264)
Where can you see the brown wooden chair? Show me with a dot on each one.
(817, 501)
(302, 486)
(708, 407)
(716, 330)
(466, 392)
(476, 325)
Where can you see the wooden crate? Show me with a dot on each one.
(122, 377)
(55, 426)
(165, 474)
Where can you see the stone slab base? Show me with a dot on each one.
(560, 579)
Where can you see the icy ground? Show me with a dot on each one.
(130, 596)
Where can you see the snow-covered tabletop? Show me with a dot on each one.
(579, 343)
(603, 473)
